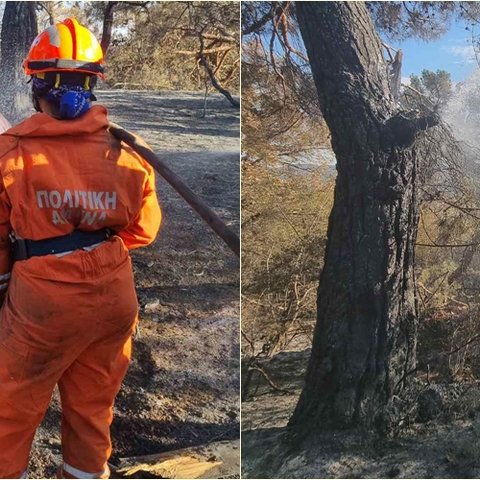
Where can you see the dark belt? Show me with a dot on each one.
(24, 249)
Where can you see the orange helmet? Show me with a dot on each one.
(66, 46)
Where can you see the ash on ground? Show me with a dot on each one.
(441, 440)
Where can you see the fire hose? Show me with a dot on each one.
(142, 148)
(206, 213)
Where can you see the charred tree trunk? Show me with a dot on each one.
(365, 338)
(107, 26)
(19, 28)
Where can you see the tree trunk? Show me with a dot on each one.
(365, 338)
(107, 26)
(19, 28)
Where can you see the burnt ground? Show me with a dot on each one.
(447, 445)
(182, 388)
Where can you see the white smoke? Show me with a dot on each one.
(462, 111)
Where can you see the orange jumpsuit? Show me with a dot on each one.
(68, 319)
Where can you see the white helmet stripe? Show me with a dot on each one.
(53, 35)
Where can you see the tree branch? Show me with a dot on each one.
(204, 62)
(225, 48)
(438, 245)
(401, 130)
(257, 25)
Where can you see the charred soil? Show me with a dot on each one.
(441, 440)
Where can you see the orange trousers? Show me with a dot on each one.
(67, 321)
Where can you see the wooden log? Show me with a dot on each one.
(210, 217)
(215, 460)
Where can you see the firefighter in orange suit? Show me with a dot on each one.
(73, 201)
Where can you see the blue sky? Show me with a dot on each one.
(452, 52)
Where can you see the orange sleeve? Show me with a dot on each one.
(144, 227)
(6, 261)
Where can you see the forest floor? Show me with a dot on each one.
(445, 447)
(182, 388)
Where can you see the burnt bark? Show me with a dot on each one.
(365, 337)
(107, 26)
(19, 29)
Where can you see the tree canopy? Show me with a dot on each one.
(160, 45)
(437, 86)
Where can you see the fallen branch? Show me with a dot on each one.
(215, 460)
(267, 378)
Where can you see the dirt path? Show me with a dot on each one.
(436, 449)
(182, 388)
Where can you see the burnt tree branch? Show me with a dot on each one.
(215, 83)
